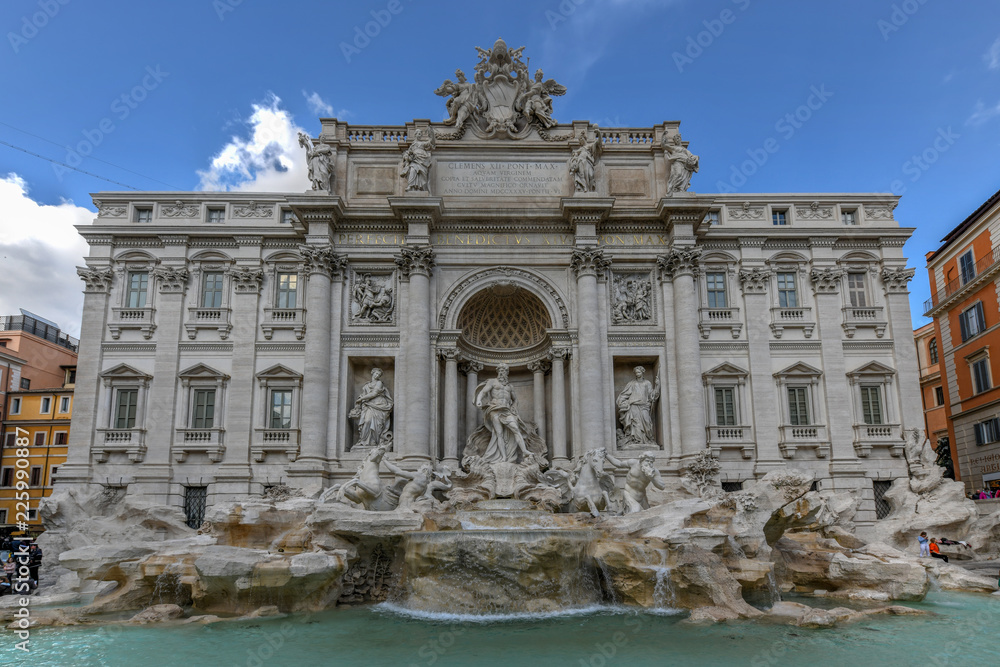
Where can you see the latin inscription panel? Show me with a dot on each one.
(500, 179)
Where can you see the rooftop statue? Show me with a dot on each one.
(319, 157)
(683, 164)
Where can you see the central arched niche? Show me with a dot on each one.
(504, 322)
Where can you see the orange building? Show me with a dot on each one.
(39, 418)
(932, 385)
(964, 274)
(10, 376)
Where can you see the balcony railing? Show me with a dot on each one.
(793, 437)
(132, 318)
(199, 441)
(731, 437)
(720, 318)
(208, 318)
(275, 441)
(868, 316)
(867, 436)
(982, 266)
(284, 318)
(35, 327)
(129, 441)
(792, 318)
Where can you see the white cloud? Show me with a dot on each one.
(318, 105)
(983, 114)
(992, 57)
(268, 160)
(39, 253)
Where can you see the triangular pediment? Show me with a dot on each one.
(800, 369)
(872, 368)
(727, 370)
(125, 372)
(202, 371)
(279, 372)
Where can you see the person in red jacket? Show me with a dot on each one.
(936, 550)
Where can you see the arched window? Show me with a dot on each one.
(932, 351)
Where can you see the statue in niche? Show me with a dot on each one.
(416, 163)
(536, 101)
(641, 474)
(465, 99)
(319, 157)
(503, 438)
(635, 410)
(372, 410)
(373, 299)
(683, 164)
(631, 299)
(582, 162)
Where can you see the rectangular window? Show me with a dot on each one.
(287, 290)
(871, 404)
(143, 215)
(716, 283)
(204, 408)
(36, 476)
(138, 283)
(986, 431)
(194, 505)
(856, 290)
(15, 405)
(64, 405)
(798, 406)
(32, 515)
(725, 406)
(787, 295)
(216, 215)
(10, 439)
(939, 395)
(3, 516)
(125, 408)
(932, 351)
(972, 322)
(882, 506)
(967, 266)
(25, 383)
(849, 217)
(981, 375)
(7, 477)
(52, 474)
(779, 218)
(281, 408)
(40, 439)
(61, 437)
(46, 406)
(211, 290)
(712, 218)
(287, 217)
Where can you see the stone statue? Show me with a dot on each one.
(590, 485)
(631, 299)
(582, 162)
(641, 474)
(366, 487)
(417, 493)
(918, 450)
(510, 439)
(465, 99)
(683, 163)
(416, 163)
(373, 300)
(372, 409)
(319, 157)
(635, 410)
(536, 101)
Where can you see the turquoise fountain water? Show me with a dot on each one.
(960, 629)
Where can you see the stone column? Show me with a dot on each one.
(681, 266)
(334, 447)
(472, 370)
(586, 264)
(539, 369)
(415, 264)
(897, 297)
(839, 397)
(450, 356)
(558, 448)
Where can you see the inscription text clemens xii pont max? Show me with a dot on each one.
(510, 179)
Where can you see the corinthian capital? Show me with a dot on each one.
(322, 259)
(246, 280)
(826, 281)
(895, 280)
(680, 261)
(171, 280)
(98, 281)
(755, 281)
(415, 259)
(589, 262)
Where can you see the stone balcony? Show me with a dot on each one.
(218, 319)
(141, 319)
(731, 437)
(275, 441)
(792, 318)
(871, 317)
(129, 441)
(791, 438)
(867, 436)
(719, 318)
(293, 319)
(199, 441)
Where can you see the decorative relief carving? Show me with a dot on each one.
(814, 212)
(97, 280)
(253, 210)
(110, 210)
(322, 259)
(373, 298)
(179, 209)
(746, 212)
(172, 281)
(683, 164)
(631, 298)
(589, 262)
(246, 281)
(559, 353)
(471, 367)
(680, 261)
(826, 281)
(873, 212)
(541, 366)
(755, 281)
(895, 280)
(415, 259)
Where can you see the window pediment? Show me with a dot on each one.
(202, 372)
(125, 372)
(872, 369)
(723, 372)
(279, 372)
(801, 369)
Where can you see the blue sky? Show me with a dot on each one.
(214, 90)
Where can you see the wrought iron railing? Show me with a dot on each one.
(983, 265)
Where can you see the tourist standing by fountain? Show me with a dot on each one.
(924, 542)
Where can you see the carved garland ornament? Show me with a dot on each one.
(97, 280)
(179, 209)
(110, 210)
(746, 212)
(814, 212)
(253, 210)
